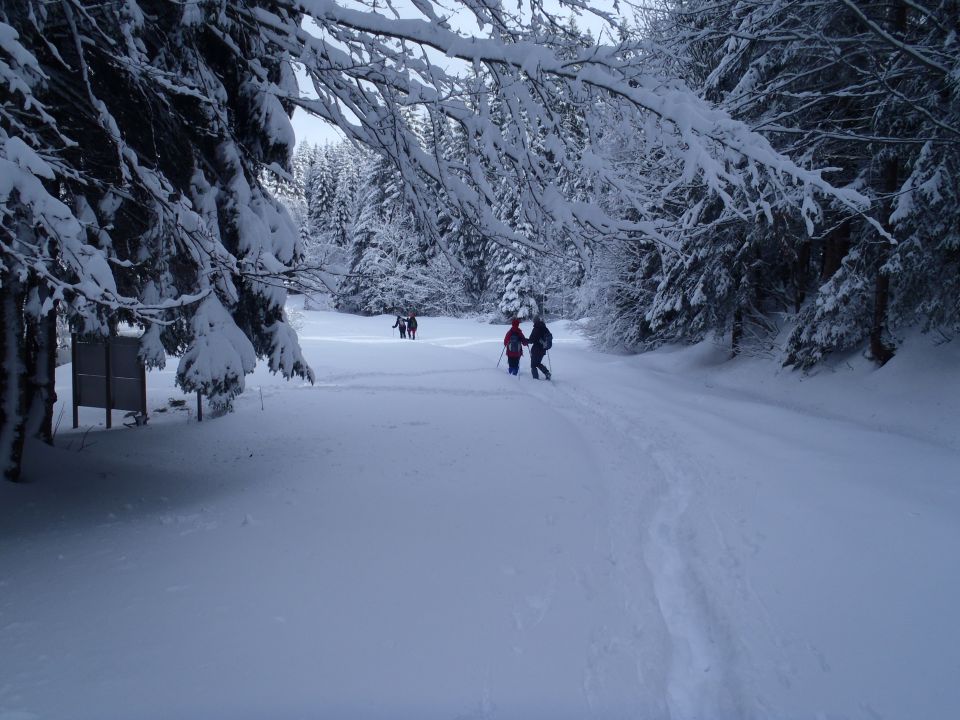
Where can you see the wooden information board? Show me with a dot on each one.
(108, 373)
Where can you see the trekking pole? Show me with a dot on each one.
(549, 366)
(501, 356)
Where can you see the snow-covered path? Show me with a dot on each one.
(810, 560)
(421, 535)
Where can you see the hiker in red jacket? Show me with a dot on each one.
(514, 341)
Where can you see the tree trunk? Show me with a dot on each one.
(736, 334)
(881, 291)
(891, 181)
(835, 248)
(12, 375)
(42, 354)
(801, 275)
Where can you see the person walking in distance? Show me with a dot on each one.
(541, 340)
(412, 326)
(514, 341)
(401, 323)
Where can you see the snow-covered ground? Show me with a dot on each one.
(420, 535)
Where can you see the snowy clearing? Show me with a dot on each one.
(421, 535)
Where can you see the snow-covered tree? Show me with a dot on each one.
(517, 299)
(863, 88)
(132, 142)
(375, 209)
(320, 188)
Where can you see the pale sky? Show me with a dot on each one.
(313, 129)
(316, 131)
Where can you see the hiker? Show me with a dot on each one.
(541, 340)
(514, 341)
(412, 326)
(402, 325)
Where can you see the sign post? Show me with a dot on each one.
(108, 373)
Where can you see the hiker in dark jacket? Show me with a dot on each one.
(402, 325)
(537, 348)
(412, 326)
(514, 341)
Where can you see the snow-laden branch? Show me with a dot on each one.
(365, 78)
(893, 42)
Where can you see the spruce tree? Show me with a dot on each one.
(134, 139)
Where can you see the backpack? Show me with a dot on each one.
(546, 340)
(514, 345)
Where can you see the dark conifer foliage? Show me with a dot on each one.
(865, 88)
(133, 137)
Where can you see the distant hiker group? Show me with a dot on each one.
(407, 326)
(539, 342)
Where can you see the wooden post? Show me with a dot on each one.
(109, 384)
(143, 391)
(736, 333)
(199, 408)
(76, 390)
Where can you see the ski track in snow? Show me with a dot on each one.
(648, 484)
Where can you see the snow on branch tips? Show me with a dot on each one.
(526, 71)
(219, 357)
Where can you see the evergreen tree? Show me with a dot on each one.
(345, 164)
(379, 209)
(517, 299)
(860, 87)
(322, 189)
(132, 140)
